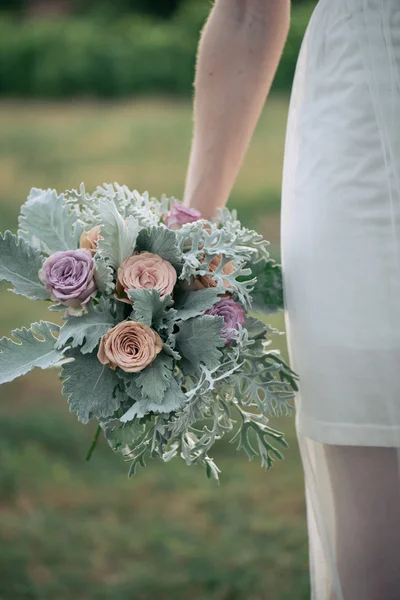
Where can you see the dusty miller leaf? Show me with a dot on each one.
(123, 437)
(267, 293)
(173, 400)
(148, 308)
(86, 330)
(198, 341)
(193, 304)
(34, 348)
(19, 265)
(162, 241)
(119, 235)
(90, 386)
(48, 222)
(103, 277)
(156, 378)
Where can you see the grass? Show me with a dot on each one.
(72, 529)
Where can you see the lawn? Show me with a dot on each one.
(71, 529)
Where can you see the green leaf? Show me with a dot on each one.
(34, 348)
(257, 426)
(87, 329)
(193, 304)
(103, 277)
(149, 309)
(19, 265)
(156, 378)
(123, 436)
(256, 328)
(48, 222)
(198, 341)
(173, 400)
(90, 386)
(162, 241)
(119, 235)
(267, 294)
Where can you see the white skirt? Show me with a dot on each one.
(341, 263)
(341, 224)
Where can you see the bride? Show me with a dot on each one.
(341, 256)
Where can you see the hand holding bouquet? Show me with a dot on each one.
(157, 343)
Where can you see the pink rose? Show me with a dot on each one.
(129, 345)
(90, 238)
(179, 215)
(145, 271)
(207, 281)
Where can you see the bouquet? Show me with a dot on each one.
(157, 342)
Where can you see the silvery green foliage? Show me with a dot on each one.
(267, 293)
(155, 379)
(19, 265)
(193, 304)
(152, 311)
(104, 277)
(162, 241)
(265, 381)
(226, 236)
(200, 243)
(172, 400)
(120, 437)
(85, 204)
(147, 211)
(34, 347)
(48, 222)
(92, 388)
(118, 236)
(245, 238)
(198, 342)
(86, 330)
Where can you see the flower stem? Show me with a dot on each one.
(94, 442)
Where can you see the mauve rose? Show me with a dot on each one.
(207, 281)
(90, 238)
(233, 315)
(69, 277)
(145, 271)
(129, 345)
(179, 215)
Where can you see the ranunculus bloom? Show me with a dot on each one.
(145, 271)
(179, 215)
(129, 345)
(207, 281)
(233, 315)
(69, 277)
(90, 238)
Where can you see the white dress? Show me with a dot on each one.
(341, 265)
(341, 224)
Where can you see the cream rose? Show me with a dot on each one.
(90, 238)
(207, 281)
(129, 345)
(145, 271)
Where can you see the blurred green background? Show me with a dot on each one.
(100, 92)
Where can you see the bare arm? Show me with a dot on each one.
(238, 55)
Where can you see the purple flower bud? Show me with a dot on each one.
(233, 315)
(179, 215)
(69, 277)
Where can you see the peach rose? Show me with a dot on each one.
(207, 281)
(129, 345)
(90, 238)
(145, 271)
